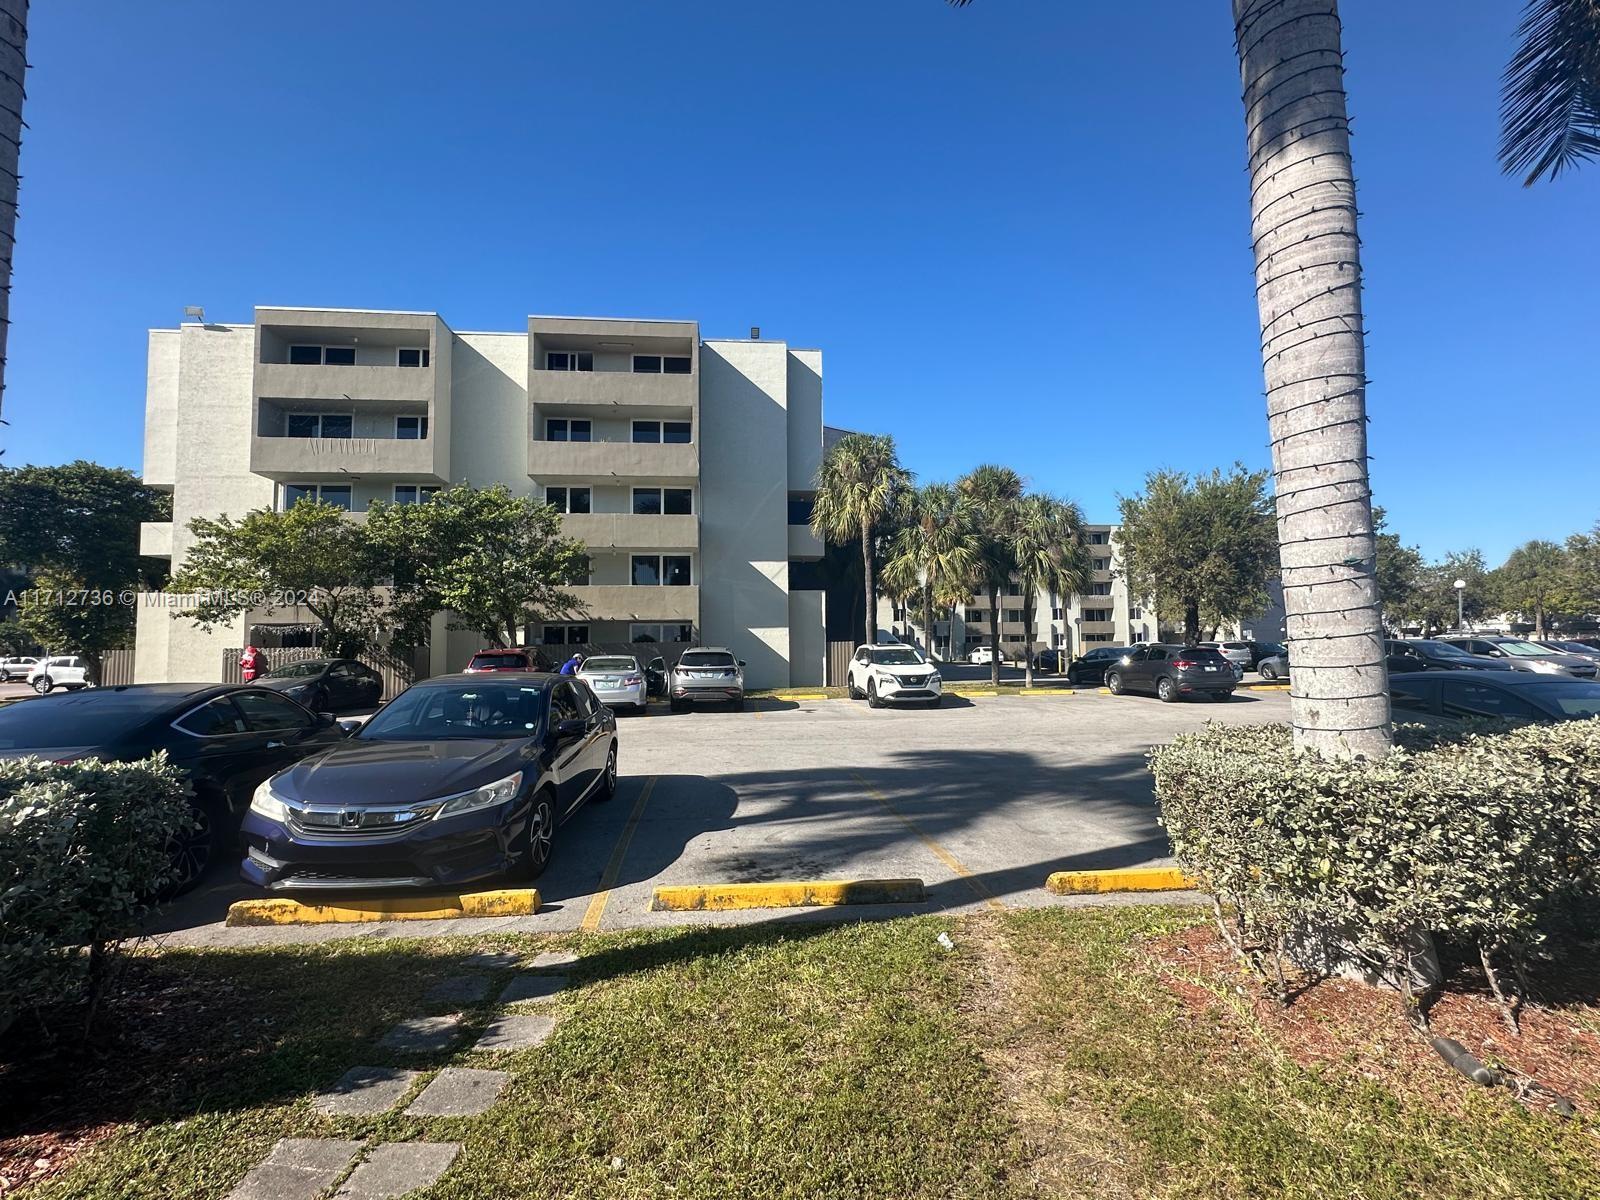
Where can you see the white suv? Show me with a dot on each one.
(15, 668)
(68, 671)
(886, 674)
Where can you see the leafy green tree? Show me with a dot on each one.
(933, 556)
(498, 562)
(1400, 572)
(1583, 552)
(860, 485)
(1204, 543)
(1550, 97)
(312, 554)
(1050, 550)
(1435, 604)
(72, 532)
(1536, 581)
(995, 496)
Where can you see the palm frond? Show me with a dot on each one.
(1550, 96)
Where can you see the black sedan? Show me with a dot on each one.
(457, 779)
(1430, 654)
(335, 685)
(1456, 700)
(227, 738)
(1091, 668)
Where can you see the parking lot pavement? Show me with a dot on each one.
(981, 798)
(15, 691)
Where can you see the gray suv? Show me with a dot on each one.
(1525, 656)
(1173, 672)
(706, 674)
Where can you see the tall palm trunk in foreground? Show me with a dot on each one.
(13, 64)
(1308, 290)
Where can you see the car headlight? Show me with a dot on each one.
(489, 794)
(265, 802)
(936, 678)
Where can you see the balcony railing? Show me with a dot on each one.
(634, 531)
(290, 381)
(552, 462)
(607, 389)
(323, 459)
(614, 602)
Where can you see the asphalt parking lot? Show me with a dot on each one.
(982, 799)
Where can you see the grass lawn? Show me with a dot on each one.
(1054, 1053)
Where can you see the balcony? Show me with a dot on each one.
(331, 460)
(155, 539)
(803, 544)
(290, 382)
(596, 393)
(633, 531)
(588, 462)
(625, 603)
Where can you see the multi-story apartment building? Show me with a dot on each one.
(1105, 615)
(679, 461)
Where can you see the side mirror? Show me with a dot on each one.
(742, 663)
(350, 726)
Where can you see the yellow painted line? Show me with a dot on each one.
(1104, 691)
(939, 852)
(721, 897)
(1046, 692)
(1130, 879)
(1262, 687)
(608, 880)
(509, 902)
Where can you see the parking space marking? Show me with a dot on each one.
(939, 852)
(597, 905)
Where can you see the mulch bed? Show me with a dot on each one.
(1351, 1027)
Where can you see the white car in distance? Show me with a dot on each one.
(16, 668)
(64, 671)
(893, 675)
(983, 656)
(617, 681)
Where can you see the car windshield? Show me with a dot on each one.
(1524, 649)
(609, 664)
(75, 720)
(1271, 649)
(897, 656)
(1438, 649)
(513, 661)
(1199, 654)
(291, 670)
(1574, 697)
(703, 658)
(434, 712)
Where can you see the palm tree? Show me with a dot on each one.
(858, 486)
(994, 494)
(1048, 547)
(1308, 293)
(1550, 98)
(934, 555)
(13, 67)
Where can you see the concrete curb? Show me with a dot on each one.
(1262, 687)
(510, 902)
(1128, 879)
(720, 897)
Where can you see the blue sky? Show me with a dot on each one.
(1018, 231)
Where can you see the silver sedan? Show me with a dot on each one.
(617, 681)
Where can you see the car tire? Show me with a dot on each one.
(1166, 690)
(1267, 671)
(42, 685)
(850, 689)
(608, 781)
(537, 850)
(872, 695)
(192, 851)
(1114, 683)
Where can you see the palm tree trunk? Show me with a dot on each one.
(994, 635)
(13, 65)
(869, 584)
(1027, 640)
(1538, 621)
(1191, 622)
(1308, 290)
(927, 617)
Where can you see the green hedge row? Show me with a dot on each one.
(83, 849)
(1489, 839)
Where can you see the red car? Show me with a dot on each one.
(514, 658)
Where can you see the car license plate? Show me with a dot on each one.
(609, 685)
(1211, 668)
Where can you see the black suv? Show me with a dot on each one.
(1429, 654)
(1173, 672)
(1091, 668)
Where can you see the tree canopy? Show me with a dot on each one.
(860, 487)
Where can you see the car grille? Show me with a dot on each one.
(912, 680)
(358, 822)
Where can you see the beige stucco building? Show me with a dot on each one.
(674, 458)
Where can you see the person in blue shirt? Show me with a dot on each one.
(570, 667)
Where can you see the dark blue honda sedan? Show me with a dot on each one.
(457, 780)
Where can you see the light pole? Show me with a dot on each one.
(1461, 590)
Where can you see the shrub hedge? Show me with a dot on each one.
(83, 849)
(1488, 838)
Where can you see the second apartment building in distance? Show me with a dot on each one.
(674, 459)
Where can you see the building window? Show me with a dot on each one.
(656, 364)
(1096, 637)
(1097, 614)
(1102, 564)
(411, 356)
(1058, 614)
(1136, 614)
(1012, 616)
(411, 429)
(663, 570)
(567, 360)
(1013, 589)
(565, 635)
(318, 425)
(660, 633)
(315, 356)
(569, 499)
(336, 494)
(1098, 539)
(1099, 589)
(651, 432)
(655, 501)
(562, 429)
(414, 493)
